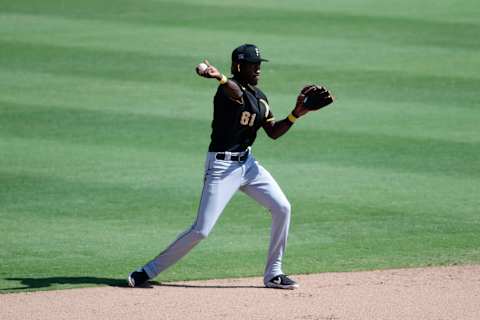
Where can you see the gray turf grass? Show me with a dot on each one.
(104, 127)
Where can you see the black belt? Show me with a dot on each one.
(222, 156)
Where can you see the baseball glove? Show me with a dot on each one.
(316, 97)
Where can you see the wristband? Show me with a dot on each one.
(223, 80)
(292, 118)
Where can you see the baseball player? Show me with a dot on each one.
(240, 110)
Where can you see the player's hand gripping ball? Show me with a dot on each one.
(201, 67)
(316, 97)
(206, 70)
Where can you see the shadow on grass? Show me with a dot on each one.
(40, 283)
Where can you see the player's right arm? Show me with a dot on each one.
(231, 88)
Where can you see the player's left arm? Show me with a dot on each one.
(276, 129)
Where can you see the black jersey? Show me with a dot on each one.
(236, 122)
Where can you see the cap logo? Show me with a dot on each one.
(257, 52)
(241, 56)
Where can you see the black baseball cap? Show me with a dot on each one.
(247, 52)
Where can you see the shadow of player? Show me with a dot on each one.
(39, 283)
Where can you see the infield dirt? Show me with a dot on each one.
(421, 293)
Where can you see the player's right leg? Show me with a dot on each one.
(262, 187)
(222, 180)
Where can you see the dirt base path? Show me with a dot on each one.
(444, 293)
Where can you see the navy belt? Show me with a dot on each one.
(240, 158)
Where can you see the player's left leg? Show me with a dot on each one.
(261, 186)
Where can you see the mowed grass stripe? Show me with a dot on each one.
(98, 63)
(93, 94)
(120, 36)
(334, 51)
(36, 189)
(102, 200)
(348, 114)
(140, 131)
(103, 128)
(427, 10)
(180, 178)
(347, 186)
(156, 175)
(370, 150)
(395, 29)
(101, 163)
(430, 118)
(159, 67)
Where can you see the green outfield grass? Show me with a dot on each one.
(104, 128)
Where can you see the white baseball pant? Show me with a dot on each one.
(222, 179)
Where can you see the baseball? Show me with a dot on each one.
(201, 68)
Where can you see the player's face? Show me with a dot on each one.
(250, 72)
